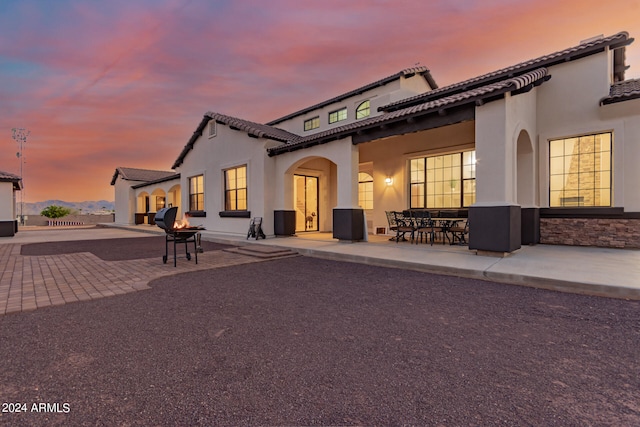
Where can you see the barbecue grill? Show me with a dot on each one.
(166, 219)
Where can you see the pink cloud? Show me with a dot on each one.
(124, 83)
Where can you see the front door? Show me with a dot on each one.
(305, 193)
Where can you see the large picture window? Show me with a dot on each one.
(196, 193)
(235, 189)
(445, 181)
(580, 171)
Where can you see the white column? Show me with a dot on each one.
(347, 162)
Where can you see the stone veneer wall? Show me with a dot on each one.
(609, 233)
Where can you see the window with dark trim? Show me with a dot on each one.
(311, 124)
(160, 202)
(235, 189)
(196, 193)
(444, 181)
(365, 190)
(363, 110)
(338, 115)
(580, 171)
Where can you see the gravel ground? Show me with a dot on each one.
(305, 341)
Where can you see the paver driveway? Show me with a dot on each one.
(38, 275)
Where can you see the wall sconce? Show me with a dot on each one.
(388, 180)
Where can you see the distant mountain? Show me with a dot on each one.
(87, 207)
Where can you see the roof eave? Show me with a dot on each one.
(477, 100)
(463, 86)
(157, 181)
(17, 183)
(189, 145)
(424, 73)
(115, 177)
(616, 99)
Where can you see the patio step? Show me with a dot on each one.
(263, 252)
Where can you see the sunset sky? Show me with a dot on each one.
(101, 84)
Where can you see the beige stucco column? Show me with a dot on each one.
(347, 162)
(496, 217)
(494, 151)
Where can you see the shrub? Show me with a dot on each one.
(55, 211)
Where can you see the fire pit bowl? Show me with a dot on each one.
(177, 233)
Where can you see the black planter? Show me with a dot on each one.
(284, 223)
(495, 228)
(348, 224)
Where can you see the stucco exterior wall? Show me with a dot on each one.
(7, 202)
(625, 117)
(210, 157)
(568, 105)
(391, 92)
(498, 126)
(492, 154)
(521, 128)
(125, 201)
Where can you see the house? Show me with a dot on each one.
(9, 184)
(139, 193)
(541, 151)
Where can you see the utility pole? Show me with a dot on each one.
(20, 135)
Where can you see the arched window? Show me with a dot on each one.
(365, 190)
(363, 110)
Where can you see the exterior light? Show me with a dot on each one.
(388, 180)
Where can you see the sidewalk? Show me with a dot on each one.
(584, 270)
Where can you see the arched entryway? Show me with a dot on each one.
(310, 191)
(526, 171)
(143, 204)
(527, 189)
(159, 200)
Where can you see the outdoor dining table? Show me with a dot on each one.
(408, 222)
(447, 224)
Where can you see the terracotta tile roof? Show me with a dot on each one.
(584, 49)
(144, 175)
(472, 96)
(622, 91)
(407, 72)
(9, 177)
(518, 78)
(252, 128)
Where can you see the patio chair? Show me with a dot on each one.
(391, 219)
(404, 225)
(459, 233)
(426, 226)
